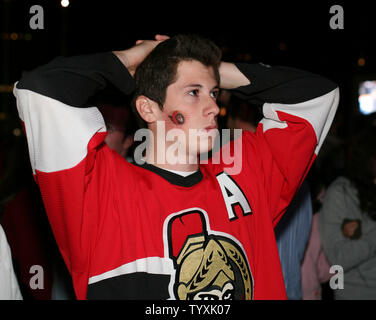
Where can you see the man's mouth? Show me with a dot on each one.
(213, 126)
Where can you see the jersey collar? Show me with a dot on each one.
(173, 178)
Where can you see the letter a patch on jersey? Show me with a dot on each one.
(233, 196)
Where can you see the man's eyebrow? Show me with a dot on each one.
(197, 85)
(193, 85)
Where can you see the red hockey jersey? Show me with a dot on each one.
(131, 231)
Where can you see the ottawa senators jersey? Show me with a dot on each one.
(135, 231)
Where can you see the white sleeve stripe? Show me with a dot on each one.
(153, 265)
(319, 112)
(57, 134)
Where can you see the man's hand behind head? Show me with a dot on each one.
(132, 57)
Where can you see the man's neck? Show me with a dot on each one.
(188, 165)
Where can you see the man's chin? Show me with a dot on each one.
(204, 153)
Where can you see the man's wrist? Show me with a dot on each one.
(231, 77)
(123, 56)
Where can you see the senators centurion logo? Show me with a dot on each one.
(208, 265)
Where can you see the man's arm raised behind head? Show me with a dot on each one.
(298, 108)
(65, 137)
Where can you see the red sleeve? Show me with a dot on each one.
(298, 109)
(285, 145)
(65, 139)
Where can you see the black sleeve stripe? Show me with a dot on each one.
(74, 80)
(281, 84)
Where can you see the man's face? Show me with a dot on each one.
(194, 95)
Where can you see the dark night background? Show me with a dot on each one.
(295, 34)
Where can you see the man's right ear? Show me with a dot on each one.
(146, 109)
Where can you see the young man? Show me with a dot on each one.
(165, 229)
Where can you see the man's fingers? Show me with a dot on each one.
(161, 37)
(158, 37)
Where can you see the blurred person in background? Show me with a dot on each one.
(22, 215)
(292, 234)
(242, 115)
(347, 222)
(9, 288)
(315, 266)
(120, 121)
(120, 129)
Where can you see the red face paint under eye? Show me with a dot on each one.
(177, 118)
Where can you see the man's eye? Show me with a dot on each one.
(214, 94)
(193, 93)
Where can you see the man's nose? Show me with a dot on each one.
(212, 108)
